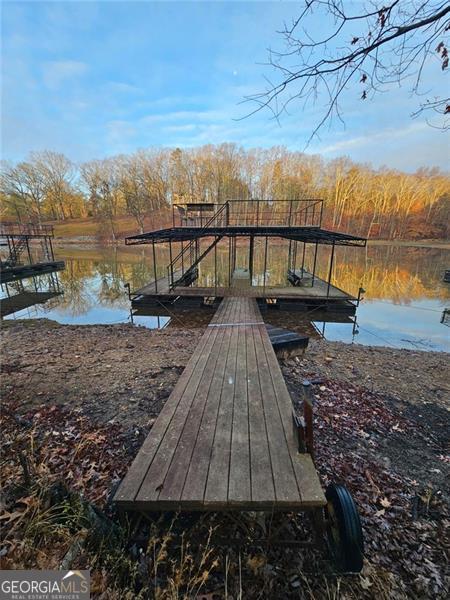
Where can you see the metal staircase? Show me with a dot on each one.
(17, 246)
(190, 254)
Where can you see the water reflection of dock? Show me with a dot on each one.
(24, 300)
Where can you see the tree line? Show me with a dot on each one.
(384, 203)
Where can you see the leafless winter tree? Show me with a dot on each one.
(371, 45)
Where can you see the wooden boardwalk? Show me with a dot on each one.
(224, 439)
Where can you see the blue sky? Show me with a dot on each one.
(93, 79)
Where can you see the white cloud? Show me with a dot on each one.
(121, 87)
(59, 71)
(181, 128)
(387, 134)
(119, 130)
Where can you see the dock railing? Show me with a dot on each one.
(189, 252)
(26, 229)
(306, 212)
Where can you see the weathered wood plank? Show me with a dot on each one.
(197, 475)
(263, 491)
(286, 489)
(135, 475)
(307, 478)
(154, 479)
(182, 453)
(217, 484)
(239, 484)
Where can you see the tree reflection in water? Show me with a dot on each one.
(94, 279)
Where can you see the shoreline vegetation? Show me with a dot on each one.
(121, 195)
(85, 232)
(78, 401)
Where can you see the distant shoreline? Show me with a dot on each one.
(441, 244)
(92, 241)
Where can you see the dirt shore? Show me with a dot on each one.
(382, 423)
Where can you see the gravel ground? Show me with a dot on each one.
(114, 373)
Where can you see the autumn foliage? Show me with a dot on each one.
(383, 203)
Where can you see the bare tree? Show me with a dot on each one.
(58, 172)
(24, 186)
(102, 178)
(369, 44)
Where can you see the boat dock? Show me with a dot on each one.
(30, 263)
(199, 229)
(30, 251)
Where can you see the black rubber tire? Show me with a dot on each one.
(346, 540)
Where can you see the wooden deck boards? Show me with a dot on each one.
(224, 439)
(301, 293)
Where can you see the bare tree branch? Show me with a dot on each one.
(393, 43)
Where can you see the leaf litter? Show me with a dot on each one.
(359, 435)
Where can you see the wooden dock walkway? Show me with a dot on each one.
(224, 439)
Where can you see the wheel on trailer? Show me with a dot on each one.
(344, 531)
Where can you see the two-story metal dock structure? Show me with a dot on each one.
(198, 229)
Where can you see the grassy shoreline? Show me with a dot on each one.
(85, 232)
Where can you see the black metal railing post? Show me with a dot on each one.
(330, 270)
(154, 266)
(314, 266)
(265, 265)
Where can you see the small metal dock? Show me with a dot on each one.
(30, 251)
(30, 263)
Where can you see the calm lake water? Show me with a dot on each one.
(402, 307)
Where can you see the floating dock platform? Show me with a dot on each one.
(30, 257)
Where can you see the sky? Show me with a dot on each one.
(95, 79)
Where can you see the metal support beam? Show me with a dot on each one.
(154, 267)
(171, 264)
(265, 263)
(229, 261)
(29, 253)
(250, 258)
(314, 266)
(331, 269)
(215, 265)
